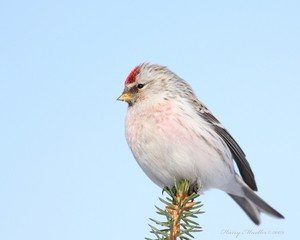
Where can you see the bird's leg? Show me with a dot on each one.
(193, 188)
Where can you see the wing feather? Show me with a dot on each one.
(238, 154)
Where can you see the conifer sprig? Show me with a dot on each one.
(180, 211)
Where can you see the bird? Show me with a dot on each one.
(173, 136)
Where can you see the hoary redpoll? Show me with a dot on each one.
(173, 136)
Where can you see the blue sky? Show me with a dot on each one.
(65, 169)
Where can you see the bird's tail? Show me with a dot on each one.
(252, 204)
(249, 208)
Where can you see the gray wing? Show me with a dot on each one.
(238, 154)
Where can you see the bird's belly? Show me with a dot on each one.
(170, 150)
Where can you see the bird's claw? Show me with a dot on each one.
(193, 188)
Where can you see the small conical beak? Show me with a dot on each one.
(125, 97)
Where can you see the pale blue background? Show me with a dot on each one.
(65, 169)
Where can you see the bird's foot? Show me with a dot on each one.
(193, 188)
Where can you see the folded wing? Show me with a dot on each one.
(238, 154)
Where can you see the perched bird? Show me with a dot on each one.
(173, 136)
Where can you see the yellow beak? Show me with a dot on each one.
(125, 97)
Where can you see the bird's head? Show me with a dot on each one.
(153, 83)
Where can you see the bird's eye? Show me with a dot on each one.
(140, 85)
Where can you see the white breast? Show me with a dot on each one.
(171, 143)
